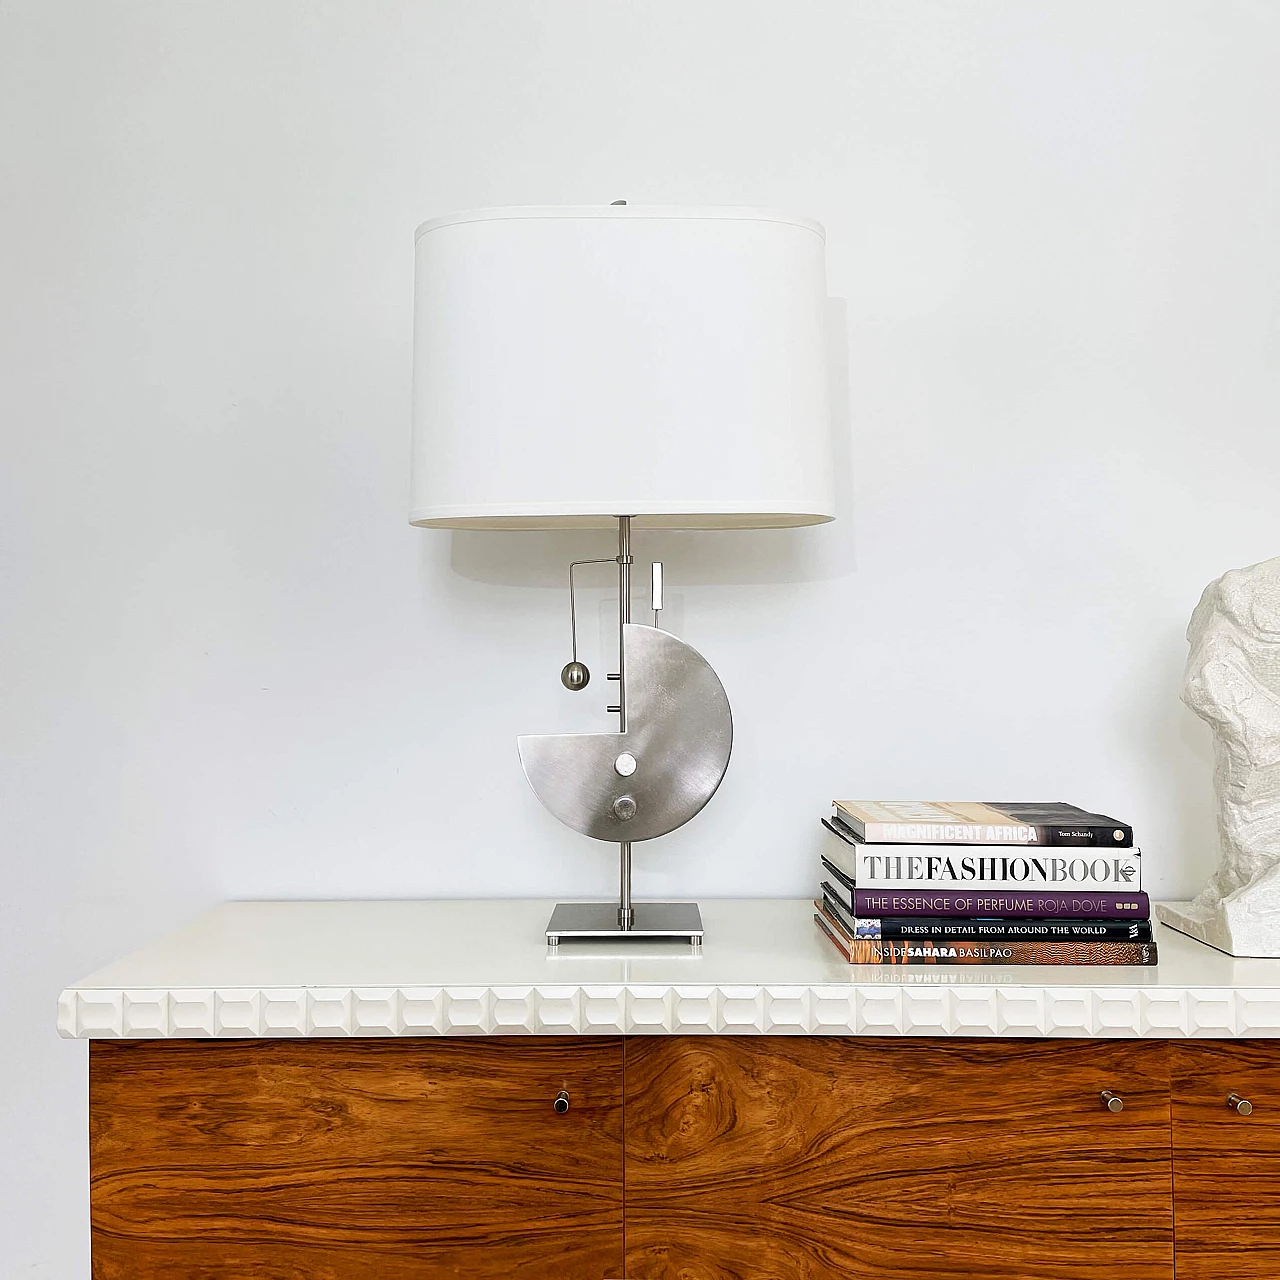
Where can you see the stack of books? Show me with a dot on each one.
(934, 882)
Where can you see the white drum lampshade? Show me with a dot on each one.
(577, 364)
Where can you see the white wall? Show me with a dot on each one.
(231, 669)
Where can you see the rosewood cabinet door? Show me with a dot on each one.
(1226, 1166)
(332, 1159)
(789, 1157)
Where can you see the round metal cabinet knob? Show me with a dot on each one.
(561, 1103)
(1112, 1101)
(1241, 1106)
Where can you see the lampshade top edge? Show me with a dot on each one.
(731, 213)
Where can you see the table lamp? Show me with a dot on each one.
(624, 367)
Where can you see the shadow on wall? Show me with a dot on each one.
(1176, 746)
(704, 558)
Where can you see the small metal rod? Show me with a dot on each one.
(573, 609)
(626, 914)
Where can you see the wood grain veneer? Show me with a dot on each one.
(1226, 1167)
(789, 1157)
(330, 1159)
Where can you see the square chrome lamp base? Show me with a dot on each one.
(599, 922)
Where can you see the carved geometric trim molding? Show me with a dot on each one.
(653, 1009)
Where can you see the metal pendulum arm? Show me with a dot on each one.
(574, 675)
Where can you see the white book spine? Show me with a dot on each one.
(910, 867)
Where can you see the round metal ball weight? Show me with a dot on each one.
(575, 676)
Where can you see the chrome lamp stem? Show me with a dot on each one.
(626, 915)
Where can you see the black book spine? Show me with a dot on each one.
(964, 951)
(1085, 837)
(1005, 930)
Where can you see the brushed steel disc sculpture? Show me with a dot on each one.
(654, 777)
(658, 770)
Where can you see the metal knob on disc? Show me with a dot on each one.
(1241, 1106)
(561, 1103)
(624, 808)
(1112, 1101)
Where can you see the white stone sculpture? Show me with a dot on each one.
(1233, 682)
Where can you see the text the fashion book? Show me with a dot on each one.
(986, 867)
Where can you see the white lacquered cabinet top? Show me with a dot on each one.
(248, 969)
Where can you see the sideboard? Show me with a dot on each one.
(404, 1090)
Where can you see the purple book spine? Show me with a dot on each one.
(1031, 904)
